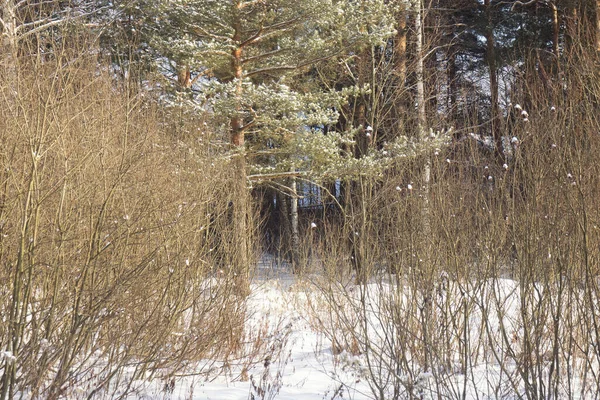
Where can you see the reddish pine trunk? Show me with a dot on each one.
(400, 47)
(184, 77)
(240, 261)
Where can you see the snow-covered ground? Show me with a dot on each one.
(306, 368)
(292, 324)
(303, 367)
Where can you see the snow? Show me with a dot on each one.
(294, 320)
(8, 356)
(306, 369)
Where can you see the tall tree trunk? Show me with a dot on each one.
(420, 71)
(400, 45)
(494, 91)
(424, 271)
(555, 32)
(242, 232)
(364, 67)
(400, 68)
(431, 19)
(422, 111)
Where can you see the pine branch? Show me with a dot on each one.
(263, 55)
(275, 175)
(270, 69)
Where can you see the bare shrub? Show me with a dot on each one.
(112, 242)
(500, 296)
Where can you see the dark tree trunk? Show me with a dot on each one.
(493, 74)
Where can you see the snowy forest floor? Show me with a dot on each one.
(305, 366)
(297, 358)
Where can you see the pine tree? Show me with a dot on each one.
(253, 57)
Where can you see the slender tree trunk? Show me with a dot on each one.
(430, 72)
(494, 91)
(295, 230)
(555, 31)
(422, 111)
(420, 71)
(284, 228)
(400, 46)
(362, 141)
(425, 309)
(400, 67)
(365, 70)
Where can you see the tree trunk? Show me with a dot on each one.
(422, 112)
(400, 46)
(284, 228)
(426, 173)
(240, 261)
(494, 97)
(400, 69)
(184, 77)
(364, 67)
(240, 265)
(555, 32)
(295, 230)
(420, 71)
